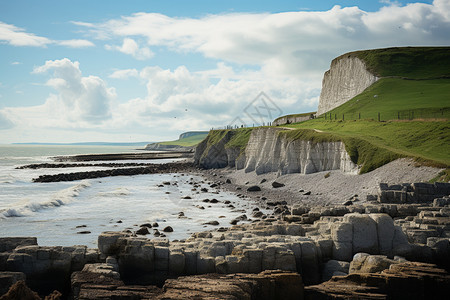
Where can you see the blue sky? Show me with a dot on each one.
(76, 71)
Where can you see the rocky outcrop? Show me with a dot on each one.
(209, 154)
(407, 280)
(419, 192)
(346, 78)
(268, 151)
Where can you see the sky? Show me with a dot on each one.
(129, 71)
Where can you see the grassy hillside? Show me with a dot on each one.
(187, 142)
(408, 62)
(396, 98)
(372, 144)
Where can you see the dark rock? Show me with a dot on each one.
(254, 188)
(166, 183)
(307, 193)
(204, 190)
(206, 200)
(277, 184)
(156, 232)
(142, 231)
(200, 207)
(20, 291)
(257, 214)
(214, 201)
(83, 232)
(213, 185)
(81, 226)
(262, 181)
(227, 202)
(347, 203)
(186, 197)
(228, 181)
(215, 223)
(155, 224)
(119, 222)
(148, 225)
(168, 229)
(7, 279)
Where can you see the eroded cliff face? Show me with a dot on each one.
(346, 78)
(268, 151)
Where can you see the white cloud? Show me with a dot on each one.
(14, 63)
(124, 74)
(129, 46)
(5, 122)
(80, 100)
(76, 43)
(16, 36)
(290, 43)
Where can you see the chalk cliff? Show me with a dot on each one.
(346, 78)
(268, 151)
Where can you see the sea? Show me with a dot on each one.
(76, 212)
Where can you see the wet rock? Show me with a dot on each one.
(84, 232)
(228, 181)
(347, 203)
(148, 225)
(307, 193)
(204, 190)
(215, 223)
(155, 224)
(168, 229)
(142, 231)
(214, 201)
(186, 197)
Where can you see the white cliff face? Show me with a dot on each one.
(346, 78)
(268, 152)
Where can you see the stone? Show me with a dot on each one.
(254, 188)
(108, 242)
(365, 263)
(385, 231)
(276, 184)
(7, 279)
(332, 266)
(8, 244)
(142, 231)
(365, 237)
(168, 229)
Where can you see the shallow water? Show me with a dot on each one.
(56, 212)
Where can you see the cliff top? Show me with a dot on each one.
(408, 62)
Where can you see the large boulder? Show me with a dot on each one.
(365, 263)
(365, 236)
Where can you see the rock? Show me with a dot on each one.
(347, 203)
(365, 263)
(253, 188)
(168, 229)
(186, 197)
(332, 266)
(257, 214)
(7, 279)
(215, 223)
(263, 180)
(19, 291)
(307, 193)
(276, 184)
(10, 243)
(365, 237)
(409, 280)
(155, 224)
(214, 201)
(385, 232)
(148, 225)
(142, 231)
(204, 190)
(83, 232)
(228, 181)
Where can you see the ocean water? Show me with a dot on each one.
(57, 212)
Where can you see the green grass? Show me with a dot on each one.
(187, 142)
(409, 62)
(398, 97)
(240, 139)
(443, 176)
(372, 144)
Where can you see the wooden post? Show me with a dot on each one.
(378, 117)
(359, 116)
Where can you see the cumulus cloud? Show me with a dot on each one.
(290, 43)
(129, 46)
(78, 98)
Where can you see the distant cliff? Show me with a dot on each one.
(347, 77)
(191, 133)
(186, 142)
(269, 150)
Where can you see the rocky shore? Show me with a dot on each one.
(394, 243)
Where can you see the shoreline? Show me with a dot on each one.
(298, 227)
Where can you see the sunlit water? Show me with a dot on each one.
(57, 212)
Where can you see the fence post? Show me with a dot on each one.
(359, 116)
(335, 117)
(378, 117)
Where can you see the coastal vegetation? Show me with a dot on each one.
(187, 141)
